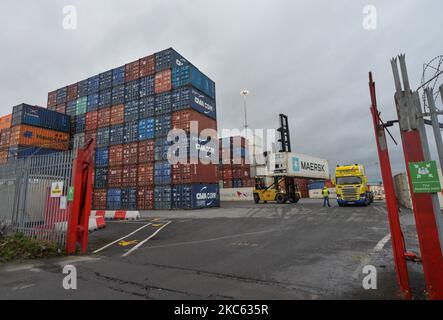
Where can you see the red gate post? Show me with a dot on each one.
(398, 246)
(425, 218)
(78, 223)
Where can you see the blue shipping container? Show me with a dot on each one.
(146, 107)
(163, 197)
(188, 97)
(130, 133)
(132, 91)
(80, 123)
(168, 59)
(146, 129)
(162, 173)
(129, 198)
(190, 75)
(105, 80)
(163, 125)
(40, 117)
(161, 148)
(92, 103)
(131, 111)
(316, 185)
(62, 95)
(71, 108)
(15, 152)
(118, 76)
(116, 134)
(94, 84)
(105, 98)
(118, 95)
(82, 88)
(102, 137)
(163, 103)
(147, 86)
(113, 199)
(196, 196)
(101, 178)
(101, 157)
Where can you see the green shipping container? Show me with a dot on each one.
(81, 106)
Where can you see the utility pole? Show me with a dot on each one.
(435, 125)
(245, 93)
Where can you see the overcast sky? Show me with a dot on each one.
(307, 59)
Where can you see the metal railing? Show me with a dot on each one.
(33, 195)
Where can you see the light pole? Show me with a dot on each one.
(244, 93)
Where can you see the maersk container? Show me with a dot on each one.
(163, 125)
(93, 84)
(131, 111)
(82, 88)
(105, 80)
(118, 94)
(116, 134)
(163, 103)
(130, 133)
(105, 98)
(190, 75)
(118, 76)
(168, 59)
(40, 117)
(146, 107)
(80, 123)
(113, 199)
(162, 173)
(101, 178)
(81, 106)
(15, 152)
(102, 157)
(92, 103)
(146, 129)
(62, 95)
(188, 97)
(147, 86)
(196, 196)
(129, 198)
(132, 90)
(102, 137)
(71, 107)
(163, 197)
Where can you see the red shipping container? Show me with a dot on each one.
(146, 151)
(163, 81)
(147, 66)
(72, 92)
(115, 177)
(129, 176)
(90, 135)
(145, 198)
(99, 199)
(194, 173)
(132, 71)
(246, 183)
(52, 98)
(91, 120)
(104, 118)
(61, 108)
(130, 153)
(145, 174)
(117, 114)
(4, 156)
(116, 155)
(227, 174)
(182, 120)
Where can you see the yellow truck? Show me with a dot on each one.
(351, 185)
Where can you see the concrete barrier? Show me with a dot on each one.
(237, 194)
(117, 215)
(95, 223)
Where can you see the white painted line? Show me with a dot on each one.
(382, 243)
(118, 240)
(146, 240)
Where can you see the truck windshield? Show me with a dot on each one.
(349, 180)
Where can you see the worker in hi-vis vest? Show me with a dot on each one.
(325, 193)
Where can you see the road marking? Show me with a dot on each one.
(146, 240)
(382, 243)
(127, 243)
(122, 238)
(367, 258)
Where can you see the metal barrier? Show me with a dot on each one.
(33, 195)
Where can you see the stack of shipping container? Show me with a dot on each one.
(129, 111)
(235, 168)
(5, 130)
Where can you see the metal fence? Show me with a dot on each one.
(33, 196)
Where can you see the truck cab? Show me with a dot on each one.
(351, 185)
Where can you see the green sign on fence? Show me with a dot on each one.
(71, 194)
(424, 177)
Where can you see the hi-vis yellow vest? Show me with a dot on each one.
(325, 192)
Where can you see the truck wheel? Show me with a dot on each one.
(280, 198)
(256, 198)
(295, 199)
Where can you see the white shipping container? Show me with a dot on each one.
(298, 165)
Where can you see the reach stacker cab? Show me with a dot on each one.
(283, 189)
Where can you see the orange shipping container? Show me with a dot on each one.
(24, 135)
(117, 114)
(147, 66)
(3, 157)
(52, 98)
(4, 138)
(5, 122)
(163, 81)
(104, 117)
